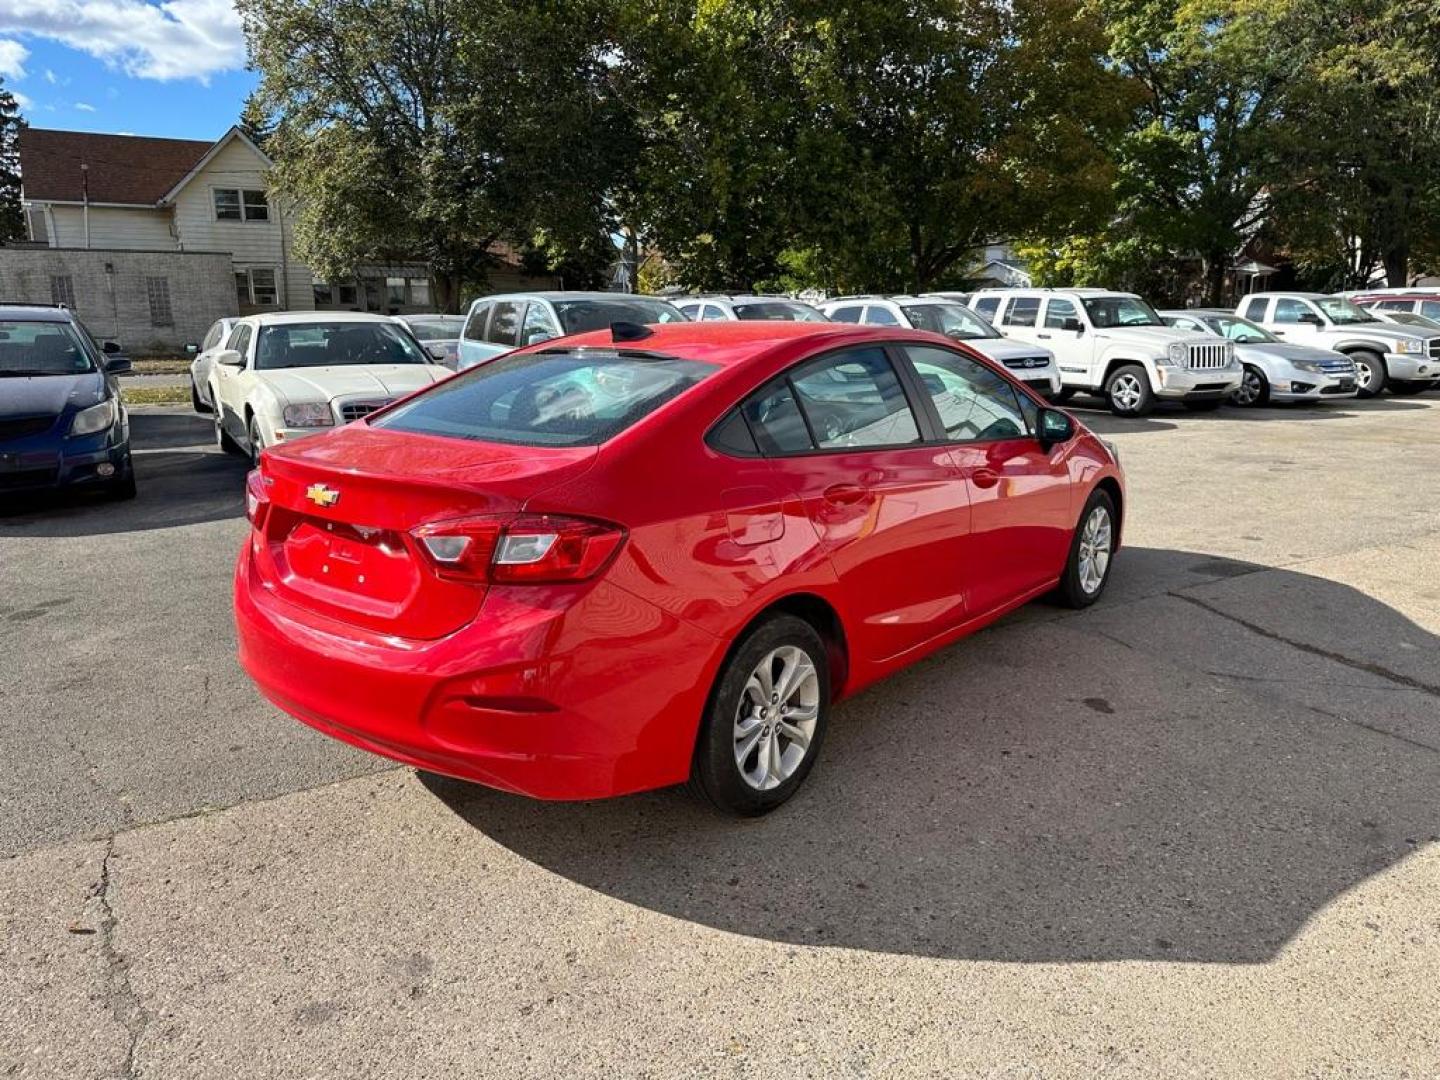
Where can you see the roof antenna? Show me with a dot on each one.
(629, 331)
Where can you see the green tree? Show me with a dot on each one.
(12, 214)
(427, 129)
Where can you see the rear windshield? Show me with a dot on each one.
(439, 328)
(322, 344)
(582, 316)
(778, 311)
(578, 397)
(41, 348)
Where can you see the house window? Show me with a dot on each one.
(62, 290)
(157, 290)
(256, 288)
(324, 295)
(234, 204)
(395, 291)
(347, 294)
(420, 291)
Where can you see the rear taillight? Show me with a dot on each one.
(533, 549)
(257, 499)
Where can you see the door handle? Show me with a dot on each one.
(845, 494)
(1045, 336)
(985, 478)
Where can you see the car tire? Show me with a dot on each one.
(122, 488)
(1406, 388)
(1207, 405)
(1064, 394)
(195, 400)
(1128, 391)
(222, 437)
(252, 436)
(1370, 374)
(1092, 553)
(746, 761)
(1254, 389)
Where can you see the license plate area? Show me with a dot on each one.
(371, 570)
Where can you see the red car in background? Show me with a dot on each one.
(623, 560)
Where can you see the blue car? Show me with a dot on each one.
(62, 424)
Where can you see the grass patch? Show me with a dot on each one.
(155, 395)
(161, 365)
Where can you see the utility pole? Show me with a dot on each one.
(85, 201)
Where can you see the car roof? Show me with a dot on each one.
(1394, 296)
(1076, 291)
(1293, 293)
(1198, 311)
(35, 313)
(730, 343)
(285, 318)
(554, 295)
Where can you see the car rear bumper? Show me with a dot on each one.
(556, 701)
(1410, 368)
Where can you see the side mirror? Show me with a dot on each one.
(230, 358)
(535, 337)
(117, 365)
(1054, 427)
(191, 348)
(1311, 319)
(1073, 324)
(110, 347)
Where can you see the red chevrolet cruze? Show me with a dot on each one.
(626, 559)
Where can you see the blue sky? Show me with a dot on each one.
(175, 69)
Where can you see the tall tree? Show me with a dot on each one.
(12, 214)
(432, 129)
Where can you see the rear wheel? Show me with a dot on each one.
(1254, 388)
(766, 719)
(1369, 373)
(1128, 390)
(1091, 553)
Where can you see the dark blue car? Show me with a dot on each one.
(62, 424)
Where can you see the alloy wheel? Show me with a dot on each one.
(1249, 390)
(1095, 547)
(776, 717)
(1126, 391)
(1364, 373)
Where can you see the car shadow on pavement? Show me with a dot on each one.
(1189, 771)
(180, 480)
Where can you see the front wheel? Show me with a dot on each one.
(223, 438)
(1128, 390)
(766, 719)
(1091, 553)
(1369, 373)
(252, 435)
(1254, 388)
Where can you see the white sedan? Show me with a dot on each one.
(204, 352)
(283, 376)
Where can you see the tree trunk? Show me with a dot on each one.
(1397, 264)
(447, 292)
(1215, 264)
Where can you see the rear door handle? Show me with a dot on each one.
(845, 494)
(1045, 336)
(985, 478)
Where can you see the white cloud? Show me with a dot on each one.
(53, 79)
(84, 106)
(25, 103)
(12, 59)
(174, 39)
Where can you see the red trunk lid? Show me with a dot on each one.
(337, 535)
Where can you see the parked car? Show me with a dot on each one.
(497, 324)
(954, 297)
(1416, 300)
(439, 334)
(285, 375)
(62, 422)
(712, 308)
(659, 556)
(1404, 359)
(204, 352)
(1113, 344)
(1032, 364)
(1274, 370)
(1404, 318)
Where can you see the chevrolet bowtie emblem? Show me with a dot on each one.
(321, 495)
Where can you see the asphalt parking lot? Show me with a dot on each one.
(1192, 831)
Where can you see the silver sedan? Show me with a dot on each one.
(1275, 370)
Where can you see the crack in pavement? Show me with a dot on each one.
(125, 1005)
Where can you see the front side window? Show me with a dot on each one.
(1109, 311)
(711, 313)
(239, 339)
(334, 344)
(1254, 307)
(1290, 312)
(1058, 310)
(854, 399)
(974, 403)
(986, 307)
(952, 320)
(505, 323)
(538, 325)
(1022, 311)
(41, 348)
(559, 397)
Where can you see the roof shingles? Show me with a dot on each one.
(123, 168)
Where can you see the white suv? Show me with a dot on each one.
(1031, 364)
(709, 308)
(1115, 345)
(1405, 359)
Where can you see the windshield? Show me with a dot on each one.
(333, 344)
(580, 316)
(1409, 318)
(1342, 312)
(778, 311)
(560, 397)
(1106, 311)
(42, 348)
(1241, 331)
(437, 328)
(952, 320)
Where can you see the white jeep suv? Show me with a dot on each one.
(282, 376)
(1114, 344)
(1405, 359)
(1032, 364)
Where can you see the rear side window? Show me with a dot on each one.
(775, 418)
(732, 436)
(1022, 311)
(1254, 308)
(986, 307)
(505, 324)
(561, 397)
(879, 316)
(475, 325)
(846, 314)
